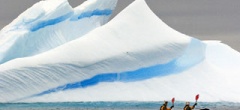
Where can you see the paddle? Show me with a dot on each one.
(173, 100)
(196, 98)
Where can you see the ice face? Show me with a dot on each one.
(135, 56)
(49, 24)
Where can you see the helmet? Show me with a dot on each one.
(187, 103)
(165, 102)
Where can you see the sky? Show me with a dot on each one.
(202, 19)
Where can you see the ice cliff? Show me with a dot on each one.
(135, 56)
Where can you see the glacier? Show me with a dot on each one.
(133, 57)
(51, 23)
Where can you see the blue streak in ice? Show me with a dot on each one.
(50, 22)
(191, 57)
(45, 23)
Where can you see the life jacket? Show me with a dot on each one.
(163, 107)
(187, 107)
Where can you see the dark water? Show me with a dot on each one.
(112, 106)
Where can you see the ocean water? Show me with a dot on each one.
(113, 106)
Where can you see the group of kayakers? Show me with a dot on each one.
(186, 107)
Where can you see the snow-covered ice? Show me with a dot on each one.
(135, 56)
(49, 24)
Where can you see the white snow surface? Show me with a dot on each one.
(212, 80)
(136, 40)
(51, 23)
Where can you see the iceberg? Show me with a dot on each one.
(51, 23)
(133, 57)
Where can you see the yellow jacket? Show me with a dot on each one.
(187, 107)
(164, 107)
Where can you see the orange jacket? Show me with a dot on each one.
(164, 107)
(187, 107)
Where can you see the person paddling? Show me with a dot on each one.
(164, 106)
(188, 107)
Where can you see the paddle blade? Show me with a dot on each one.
(197, 96)
(173, 100)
